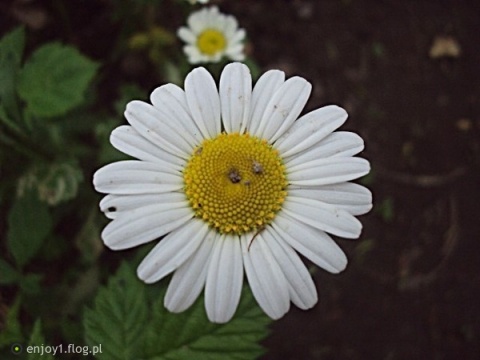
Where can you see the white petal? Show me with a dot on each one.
(327, 171)
(238, 36)
(194, 55)
(230, 26)
(265, 277)
(323, 216)
(284, 108)
(310, 129)
(224, 279)
(301, 287)
(126, 139)
(152, 125)
(354, 198)
(314, 244)
(171, 101)
(172, 251)
(187, 35)
(114, 205)
(337, 144)
(136, 177)
(203, 101)
(263, 91)
(197, 20)
(211, 14)
(189, 279)
(235, 95)
(144, 224)
(236, 54)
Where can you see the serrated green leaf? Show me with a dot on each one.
(37, 342)
(11, 329)
(190, 335)
(54, 79)
(8, 274)
(118, 318)
(29, 223)
(11, 52)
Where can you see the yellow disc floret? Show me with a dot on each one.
(235, 182)
(211, 41)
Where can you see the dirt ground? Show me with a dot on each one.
(412, 287)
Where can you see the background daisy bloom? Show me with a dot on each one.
(198, 1)
(210, 36)
(236, 183)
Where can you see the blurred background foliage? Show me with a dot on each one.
(67, 70)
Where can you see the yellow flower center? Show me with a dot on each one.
(235, 182)
(211, 41)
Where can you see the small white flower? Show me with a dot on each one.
(210, 36)
(235, 183)
(193, 2)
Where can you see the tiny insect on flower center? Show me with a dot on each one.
(211, 41)
(235, 182)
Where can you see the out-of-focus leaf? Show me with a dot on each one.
(29, 223)
(8, 274)
(254, 68)
(11, 52)
(172, 73)
(81, 290)
(38, 340)
(54, 79)
(88, 239)
(11, 329)
(30, 283)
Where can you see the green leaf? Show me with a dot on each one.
(54, 79)
(190, 335)
(8, 274)
(128, 327)
(11, 52)
(118, 318)
(29, 223)
(30, 283)
(37, 342)
(11, 329)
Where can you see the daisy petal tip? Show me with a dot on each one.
(110, 242)
(340, 266)
(220, 318)
(199, 71)
(141, 274)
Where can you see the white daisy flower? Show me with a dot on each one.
(235, 183)
(193, 2)
(210, 36)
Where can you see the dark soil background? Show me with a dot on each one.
(412, 288)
